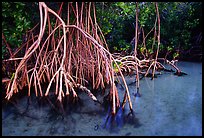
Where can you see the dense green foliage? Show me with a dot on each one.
(16, 20)
(180, 23)
(117, 23)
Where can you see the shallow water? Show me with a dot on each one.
(169, 105)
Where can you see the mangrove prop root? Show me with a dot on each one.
(71, 54)
(66, 55)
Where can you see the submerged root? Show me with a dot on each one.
(118, 120)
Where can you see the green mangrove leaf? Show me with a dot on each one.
(115, 66)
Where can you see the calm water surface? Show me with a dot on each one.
(170, 105)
